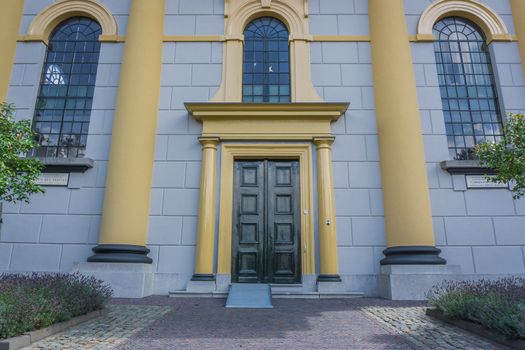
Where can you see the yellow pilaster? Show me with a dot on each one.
(128, 184)
(408, 216)
(329, 269)
(10, 17)
(206, 227)
(518, 12)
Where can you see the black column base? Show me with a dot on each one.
(328, 278)
(120, 253)
(203, 277)
(412, 255)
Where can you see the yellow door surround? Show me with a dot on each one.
(235, 151)
(264, 125)
(267, 121)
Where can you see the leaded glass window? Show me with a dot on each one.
(67, 84)
(470, 102)
(266, 75)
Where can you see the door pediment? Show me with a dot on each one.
(266, 121)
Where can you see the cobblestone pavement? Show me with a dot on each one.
(426, 332)
(104, 332)
(291, 324)
(190, 323)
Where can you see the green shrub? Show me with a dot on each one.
(498, 304)
(29, 302)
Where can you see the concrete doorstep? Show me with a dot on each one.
(29, 338)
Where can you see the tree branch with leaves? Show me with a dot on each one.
(507, 157)
(17, 173)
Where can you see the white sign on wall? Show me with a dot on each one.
(483, 181)
(52, 179)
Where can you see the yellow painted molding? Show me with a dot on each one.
(112, 38)
(265, 121)
(490, 22)
(10, 17)
(194, 38)
(293, 13)
(45, 22)
(341, 38)
(233, 151)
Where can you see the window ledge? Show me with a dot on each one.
(466, 167)
(66, 165)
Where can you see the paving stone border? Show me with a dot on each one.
(103, 333)
(426, 332)
(477, 329)
(29, 338)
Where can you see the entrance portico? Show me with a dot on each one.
(272, 132)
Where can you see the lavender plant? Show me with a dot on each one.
(496, 304)
(32, 301)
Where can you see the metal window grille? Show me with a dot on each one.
(466, 80)
(67, 84)
(266, 75)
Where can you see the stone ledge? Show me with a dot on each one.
(66, 165)
(29, 338)
(466, 167)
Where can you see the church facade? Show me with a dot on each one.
(325, 147)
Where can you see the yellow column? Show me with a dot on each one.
(329, 268)
(206, 227)
(124, 225)
(10, 17)
(408, 216)
(518, 12)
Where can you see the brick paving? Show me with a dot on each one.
(104, 332)
(191, 323)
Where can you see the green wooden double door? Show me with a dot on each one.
(266, 222)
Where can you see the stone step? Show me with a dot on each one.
(294, 288)
(317, 295)
(275, 294)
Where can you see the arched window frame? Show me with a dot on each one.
(294, 15)
(468, 87)
(66, 89)
(49, 18)
(266, 61)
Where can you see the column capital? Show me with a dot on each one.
(324, 142)
(209, 142)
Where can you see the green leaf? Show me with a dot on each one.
(507, 157)
(17, 173)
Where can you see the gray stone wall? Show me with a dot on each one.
(342, 72)
(480, 230)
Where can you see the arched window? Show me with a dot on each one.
(67, 84)
(466, 80)
(266, 75)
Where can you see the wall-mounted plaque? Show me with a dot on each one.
(52, 179)
(483, 181)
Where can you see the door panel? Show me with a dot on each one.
(248, 231)
(266, 230)
(283, 227)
